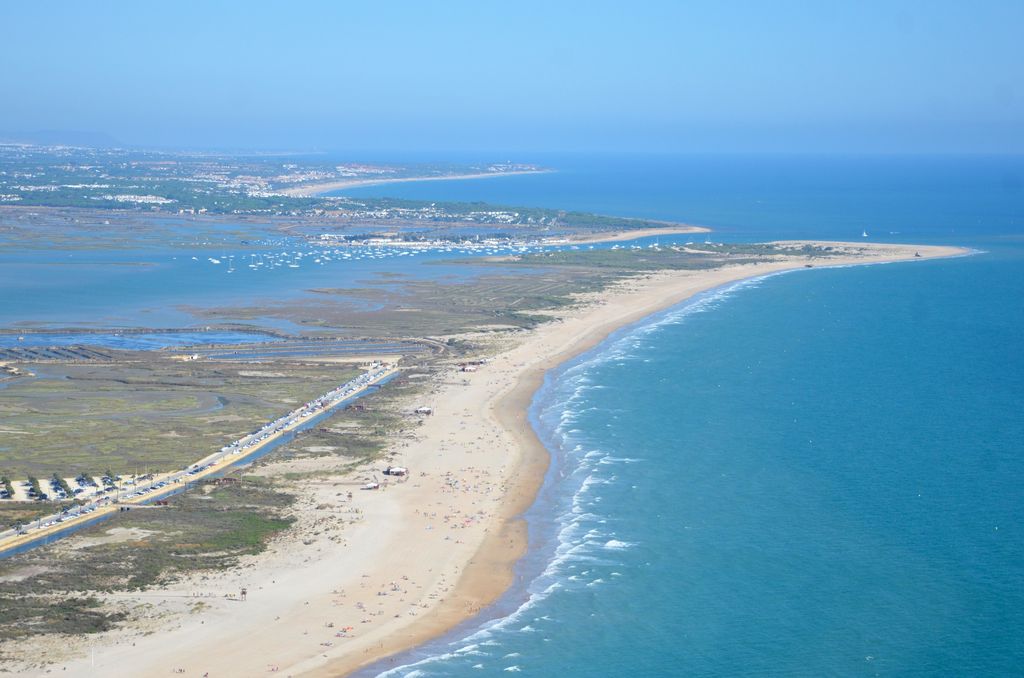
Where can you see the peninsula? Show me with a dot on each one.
(312, 189)
(434, 547)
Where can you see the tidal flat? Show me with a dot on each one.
(144, 412)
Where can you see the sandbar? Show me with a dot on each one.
(314, 189)
(424, 553)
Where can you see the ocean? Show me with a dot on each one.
(812, 473)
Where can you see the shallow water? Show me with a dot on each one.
(134, 341)
(145, 287)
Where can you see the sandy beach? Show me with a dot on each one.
(633, 234)
(309, 190)
(361, 578)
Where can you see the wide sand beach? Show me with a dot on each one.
(319, 188)
(424, 553)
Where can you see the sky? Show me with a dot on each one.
(676, 76)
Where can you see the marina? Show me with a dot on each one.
(175, 286)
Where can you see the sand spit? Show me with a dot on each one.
(310, 190)
(634, 234)
(360, 579)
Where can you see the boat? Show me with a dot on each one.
(864, 234)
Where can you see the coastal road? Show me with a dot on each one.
(59, 525)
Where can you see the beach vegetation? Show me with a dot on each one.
(46, 591)
(141, 413)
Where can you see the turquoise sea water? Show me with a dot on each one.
(815, 473)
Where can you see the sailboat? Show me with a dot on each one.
(864, 234)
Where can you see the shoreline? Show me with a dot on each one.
(491, 452)
(311, 190)
(513, 412)
(624, 236)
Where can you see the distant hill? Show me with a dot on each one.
(62, 138)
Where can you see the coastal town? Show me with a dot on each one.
(199, 184)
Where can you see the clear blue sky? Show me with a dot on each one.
(523, 75)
